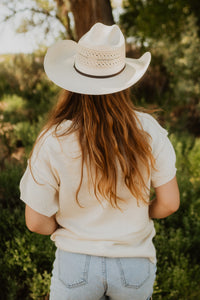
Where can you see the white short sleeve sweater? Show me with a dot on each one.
(95, 229)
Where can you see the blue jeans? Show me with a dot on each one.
(84, 277)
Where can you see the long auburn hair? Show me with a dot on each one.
(110, 135)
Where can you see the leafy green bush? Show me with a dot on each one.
(27, 258)
(13, 108)
(177, 240)
(13, 103)
(27, 132)
(9, 185)
(23, 76)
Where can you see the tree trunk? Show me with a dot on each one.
(62, 14)
(87, 12)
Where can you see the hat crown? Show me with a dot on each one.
(103, 36)
(101, 51)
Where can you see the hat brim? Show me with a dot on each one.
(59, 67)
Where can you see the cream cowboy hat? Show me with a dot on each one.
(95, 65)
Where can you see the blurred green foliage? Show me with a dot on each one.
(177, 240)
(157, 18)
(170, 30)
(26, 96)
(22, 77)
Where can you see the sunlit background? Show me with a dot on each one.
(13, 42)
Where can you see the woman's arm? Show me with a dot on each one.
(167, 200)
(39, 223)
